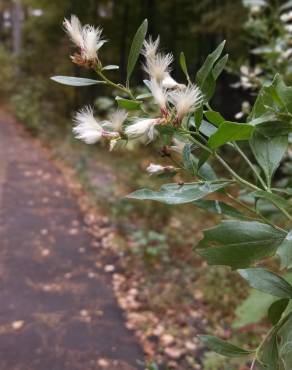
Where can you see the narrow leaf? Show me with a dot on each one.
(179, 194)
(219, 67)
(75, 81)
(222, 347)
(183, 64)
(110, 67)
(136, 48)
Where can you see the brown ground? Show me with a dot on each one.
(57, 308)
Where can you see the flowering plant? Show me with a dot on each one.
(185, 125)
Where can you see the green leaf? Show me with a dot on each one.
(191, 164)
(253, 309)
(268, 152)
(198, 116)
(207, 129)
(267, 282)
(136, 48)
(183, 64)
(285, 251)
(110, 67)
(285, 345)
(276, 310)
(214, 117)
(219, 67)
(144, 96)
(207, 67)
(274, 96)
(75, 81)
(230, 131)
(239, 243)
(128, 104)
(220, 208)
(269, 352)
(179, 194)
(273, 198)
(222, 347)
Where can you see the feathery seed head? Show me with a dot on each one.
(150, 48)
(143, 127)
(87, 38)
(117, 119)
(159, 94)
(73, 28)
(86, 127)
(159, 67)
(186, 101)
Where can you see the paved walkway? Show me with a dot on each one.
(57, 309)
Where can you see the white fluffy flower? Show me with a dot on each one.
(288, 28)
(143, 127)
(92, 41)
(158, 67)
(156, 169)
(150, 48)
(186, 100)
(286, 17)
(87, 38)
(117, 119)
(159, 93)
(73, 28)
(86, 127)
(169, 83)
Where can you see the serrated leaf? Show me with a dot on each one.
(75, 81)
(239, 243)
(136, 48)
(276, 310)
(268, 152)
(128, 104)
(267, 282)
(222, 347)
(179, 194)
(230, 131)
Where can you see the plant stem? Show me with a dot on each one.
(254, 211)
(234, 174)
(116, 86)
(224, 164)
(250, 165)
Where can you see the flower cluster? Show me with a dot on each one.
(87, 38)
(175, 101)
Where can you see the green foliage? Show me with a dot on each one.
(179, 194)
(136, 48)
(267, 282)
(75, 81)
(222, 347)
(239, 243)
